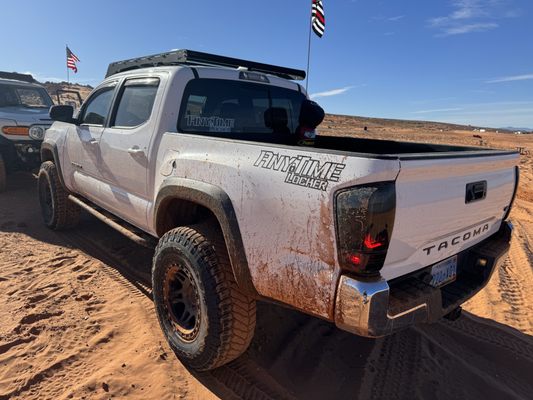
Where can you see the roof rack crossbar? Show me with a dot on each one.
(189, 57)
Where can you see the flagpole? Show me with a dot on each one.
(68, 75)
(308, 50)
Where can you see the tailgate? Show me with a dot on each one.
(436, 218)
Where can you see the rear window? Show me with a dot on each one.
(237, 109)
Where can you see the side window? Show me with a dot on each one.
(97, 109)
(136, 102)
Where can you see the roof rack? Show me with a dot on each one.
(189, 57)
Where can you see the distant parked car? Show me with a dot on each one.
(23, 120)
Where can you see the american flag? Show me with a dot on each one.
(72, 60)
(317, 17)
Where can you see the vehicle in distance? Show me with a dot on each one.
(216, 159)
(23, 120)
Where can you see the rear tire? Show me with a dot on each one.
(58, 212)
(3, 174)
(206, 319)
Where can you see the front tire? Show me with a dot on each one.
(58, 212)
(206, 319)
(3, 174)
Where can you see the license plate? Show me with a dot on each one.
(444, 272)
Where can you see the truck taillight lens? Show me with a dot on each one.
(365, 218)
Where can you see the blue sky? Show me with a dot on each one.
(464, 61)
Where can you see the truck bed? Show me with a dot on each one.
(405, 150)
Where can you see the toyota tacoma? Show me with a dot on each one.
(217, 161)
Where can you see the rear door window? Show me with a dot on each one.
(236, 109)
(136, 102)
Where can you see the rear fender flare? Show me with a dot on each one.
(219, 204)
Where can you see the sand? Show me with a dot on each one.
(78, 320)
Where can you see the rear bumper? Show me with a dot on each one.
(378, 308)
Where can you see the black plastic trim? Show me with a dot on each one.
(190, 57)
(55, 155)
(195, 73)
(460, 152)
(517, 181)
(218, 202)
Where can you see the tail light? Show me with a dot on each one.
(365, 218)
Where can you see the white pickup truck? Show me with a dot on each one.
(216, 159)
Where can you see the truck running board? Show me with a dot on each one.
(123, 227)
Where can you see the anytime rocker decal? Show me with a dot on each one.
(301, 170)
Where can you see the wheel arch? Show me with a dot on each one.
(183, 201)
(49, 152)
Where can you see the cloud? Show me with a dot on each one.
(333, 92)
(438, 110)
(511, 78)
(460, 29)
(390, 19)
(396, 18)
(472, 16)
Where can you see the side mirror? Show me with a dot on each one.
(311, 114)
(62, 113)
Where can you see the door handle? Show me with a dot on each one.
(93, 142)
(135, 150)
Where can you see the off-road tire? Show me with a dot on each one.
(3, 174)
(58, 212)
(226, 316)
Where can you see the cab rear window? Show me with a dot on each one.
(242, 110)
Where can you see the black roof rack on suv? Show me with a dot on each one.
(17, 77)
(189, 57)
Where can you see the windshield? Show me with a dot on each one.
(237, 109)
(24, 96)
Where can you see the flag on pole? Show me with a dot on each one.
(317, 17)
(72, 59)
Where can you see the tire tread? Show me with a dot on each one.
(66, 214)
(235, 325)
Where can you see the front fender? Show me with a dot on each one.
(49, 152)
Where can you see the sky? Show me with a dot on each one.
(461, 61)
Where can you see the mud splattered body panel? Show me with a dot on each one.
(283, 198)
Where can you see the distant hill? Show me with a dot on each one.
(523, 130)
(19, 77)
(380, 123)
(53, 87)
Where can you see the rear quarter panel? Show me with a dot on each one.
(288, 230)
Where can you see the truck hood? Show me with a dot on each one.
(25, 115)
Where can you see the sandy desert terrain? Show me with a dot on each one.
(78, 321)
